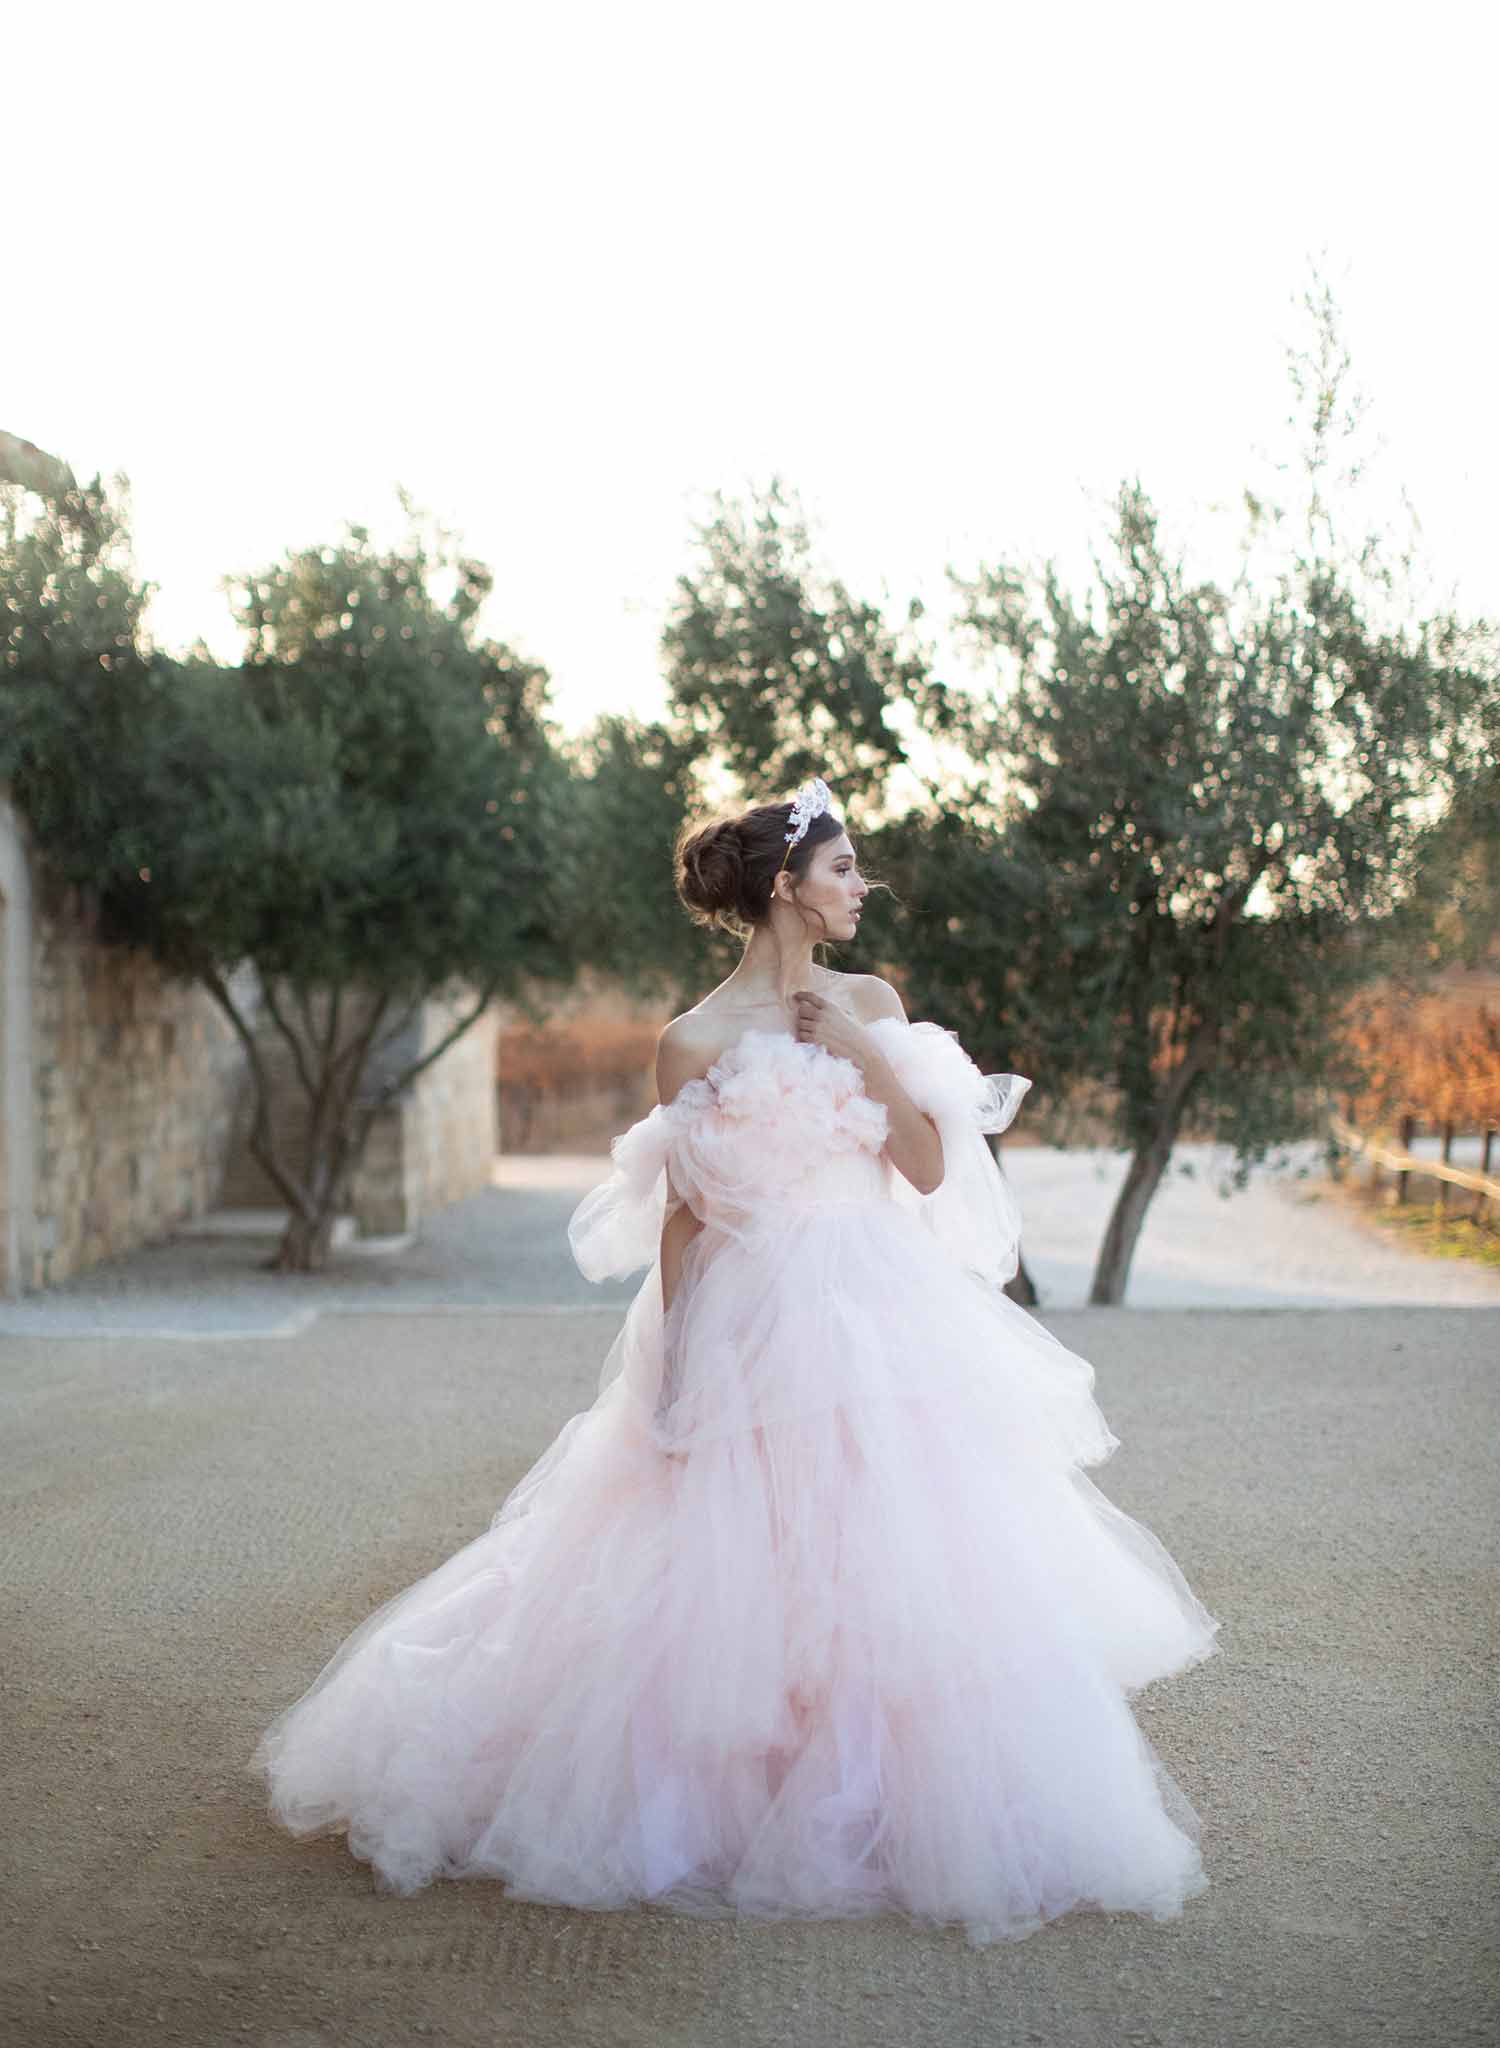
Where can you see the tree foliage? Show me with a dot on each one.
(633, 783)
(76, 683)
(366, 809)
(1217, 798)
(779, 673)
(1190, 817)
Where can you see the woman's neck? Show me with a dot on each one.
(773, 967)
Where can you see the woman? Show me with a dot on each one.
(814, 1611)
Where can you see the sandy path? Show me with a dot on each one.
(189, 1527)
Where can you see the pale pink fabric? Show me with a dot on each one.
(814, 1611)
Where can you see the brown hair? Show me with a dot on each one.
(724, 869)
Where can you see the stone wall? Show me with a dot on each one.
(17, 1108)
(134, 1084)
(125, 1096)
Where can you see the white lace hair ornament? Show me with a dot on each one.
(810, 802)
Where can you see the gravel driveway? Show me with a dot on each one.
(190, 1526)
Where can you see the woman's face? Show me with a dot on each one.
(833, 887)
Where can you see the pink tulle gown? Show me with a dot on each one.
(814, 1611)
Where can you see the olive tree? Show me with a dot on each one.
(367, 811)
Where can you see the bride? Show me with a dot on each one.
(814, 1611)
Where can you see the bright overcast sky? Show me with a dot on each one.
(563, 270)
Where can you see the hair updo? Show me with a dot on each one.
(724, 869)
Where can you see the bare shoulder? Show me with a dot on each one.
(870, 998)
(685, 1050)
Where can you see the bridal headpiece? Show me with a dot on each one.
(810, 802)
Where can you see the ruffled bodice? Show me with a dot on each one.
(779, 1127)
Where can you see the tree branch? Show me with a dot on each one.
(335, 1105)
(412, 1009)
(359, 1046)
(358, 1053)
(327, 1075)
(299, 1056)
(399, 1082)
(331, 1036)
(304, 1011)
(296, 1195)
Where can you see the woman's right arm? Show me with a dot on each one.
(678, 1061)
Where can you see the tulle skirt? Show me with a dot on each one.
(814, 1612)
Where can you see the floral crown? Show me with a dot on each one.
(810, 802)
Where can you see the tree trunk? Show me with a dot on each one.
(307, 1239)
(304, 1246)
(331, 1067)
(1148, 1163)
(1112, 1271)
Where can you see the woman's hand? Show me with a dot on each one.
(914, 1144)
(817, 1021)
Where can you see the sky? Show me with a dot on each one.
(563, 271)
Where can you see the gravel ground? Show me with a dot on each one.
(188, 1528)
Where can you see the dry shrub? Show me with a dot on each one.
(1435, 1058)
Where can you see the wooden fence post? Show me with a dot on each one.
(1408, 1132)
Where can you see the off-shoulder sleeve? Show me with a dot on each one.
(616, 1228)
(972, 1210)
